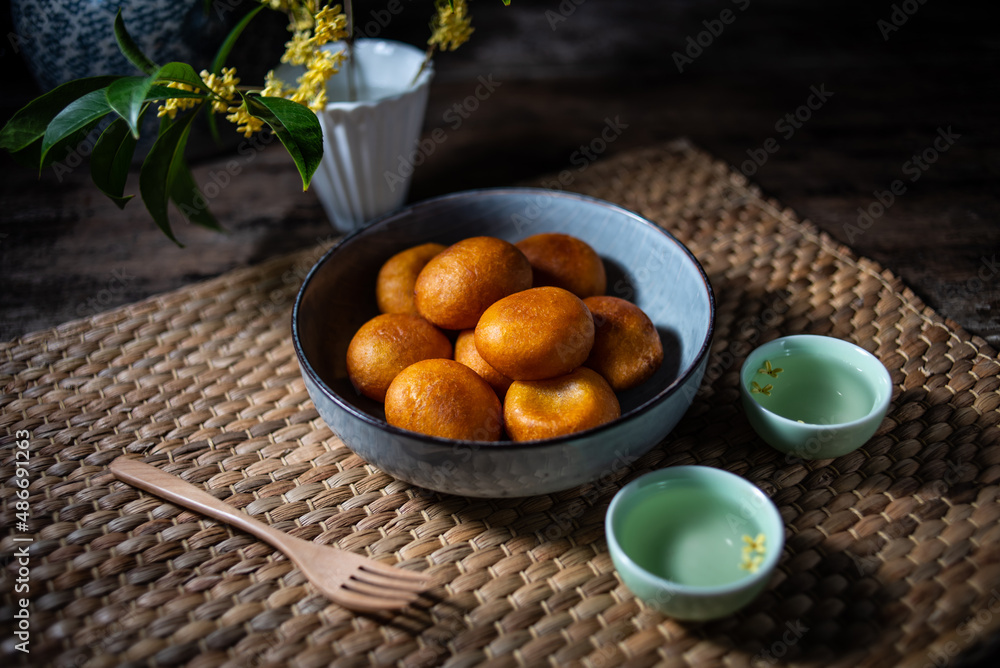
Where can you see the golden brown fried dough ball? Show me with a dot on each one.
(396, 278)
(466, 353)
(627, 348)
(565, 262)
(443, 398)
(579, 400)
(387, 344)
(461, 282)
(537, 333)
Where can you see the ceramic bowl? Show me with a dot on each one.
(814, 397)
(694, 542)
(644, 263)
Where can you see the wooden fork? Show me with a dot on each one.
(349, 579)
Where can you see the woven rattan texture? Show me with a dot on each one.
(892, 556)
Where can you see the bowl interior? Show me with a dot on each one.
(644, 264)
(695, 529)
(816, 380)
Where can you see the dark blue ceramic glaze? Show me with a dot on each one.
(70, 39)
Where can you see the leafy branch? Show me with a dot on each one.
(50, 126)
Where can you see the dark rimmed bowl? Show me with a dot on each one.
(645, 265)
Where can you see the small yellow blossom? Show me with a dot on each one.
(753, 553)
(451, 26)
(330, 25)
(312, 84)
(246, 124)
(755, 388)
(751, 563)
(273, 86)
(773, 373)
(755, 544)
(171, 106)
(299, 49)
(224, 88)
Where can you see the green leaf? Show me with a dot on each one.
(28, 124)
(158, 92)
(296, 126)
(159, 171)
(130, 49)
(179, 72)
(111, 159)
(78, 114)
(190, 200)
(231, 38)
(31, 155)
(128, 95)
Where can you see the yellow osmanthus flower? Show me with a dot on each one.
(753, 553)
(451, 26)
(754, 544)
(769, 370)
(312, 84)
(331, 25)
(224, 87)
(244, 122)
(751, 563)
(274, 87)
(299, 49)
(171, 106)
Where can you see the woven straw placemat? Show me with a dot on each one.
(892, 556)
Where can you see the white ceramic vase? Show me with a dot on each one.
(368, 144)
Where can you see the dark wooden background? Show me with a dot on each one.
(563, 68)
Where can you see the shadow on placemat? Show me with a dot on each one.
(892, 553)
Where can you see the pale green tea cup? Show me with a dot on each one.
(814, 397)
(694, 542)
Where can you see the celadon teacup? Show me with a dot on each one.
(694, 542)
(814, 397)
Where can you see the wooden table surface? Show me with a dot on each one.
(903, 93)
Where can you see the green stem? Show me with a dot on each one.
(423, 65)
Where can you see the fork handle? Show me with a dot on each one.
(170, 487)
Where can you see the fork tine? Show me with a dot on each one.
(393, 571)
(357, 601)
(380, 591)
(406, 584)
